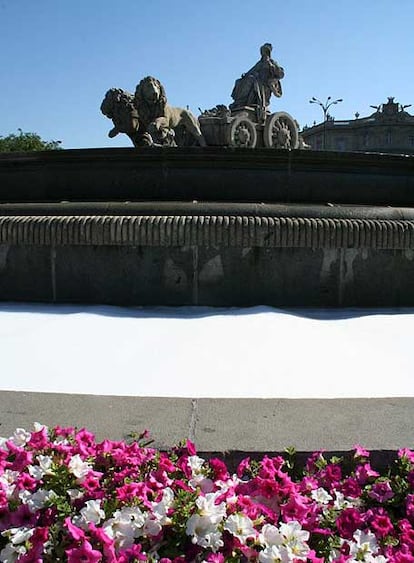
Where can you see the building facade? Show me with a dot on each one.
(390, 129)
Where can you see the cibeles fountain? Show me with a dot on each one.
(147, 118)
(223, 209)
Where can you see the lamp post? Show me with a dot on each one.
(325, 106)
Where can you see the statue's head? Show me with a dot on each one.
(151, 91)
(118, 105)
(266, 50)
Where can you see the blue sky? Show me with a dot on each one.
(58, 57)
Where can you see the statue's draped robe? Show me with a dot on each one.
(255, 87)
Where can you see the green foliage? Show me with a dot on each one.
(27, 142)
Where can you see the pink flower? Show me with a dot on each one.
(381, 523)
(76, 533)
(25, 481)
(408, 454)
(364, 473)
(21, 457)
(295, 509)
(37, 542)
(348, 522)
(403, 555)
(99, 535)
(312, 460)
(21, 517)
(269, 466)
(243, 466)
(39, 440)
(350, 488)
(165, 464)
(308, 484)
(219, 468)
(190, 447)
(313, 558)
(215, 558)
(91, 483)
(86, 442)
(409, 507)
(267, 488)
(133, 553)
(83, 554)
(359, 451)
(381, 491)
(129, 491)
(332, 475)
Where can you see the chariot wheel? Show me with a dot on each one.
(242, 133)
(281, 131)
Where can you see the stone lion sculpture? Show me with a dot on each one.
(167, 125)
(118, 105)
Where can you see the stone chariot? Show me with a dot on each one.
(243, 127)
(248, 122)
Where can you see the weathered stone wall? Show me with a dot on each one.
(213, 260)
(207, 227)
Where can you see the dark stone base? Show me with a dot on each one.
(214, 276)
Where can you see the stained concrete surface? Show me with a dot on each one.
(218, 425)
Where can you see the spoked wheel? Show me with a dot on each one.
(242, 133)
(281, 131)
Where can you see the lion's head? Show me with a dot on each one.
(150, 99)
(118, 105)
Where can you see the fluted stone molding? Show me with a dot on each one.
(217, 230)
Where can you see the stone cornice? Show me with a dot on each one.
(202, 230)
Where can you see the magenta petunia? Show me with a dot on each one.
(381, 491)
(348, 522)
(83, 554)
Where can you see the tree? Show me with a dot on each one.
(27, 142)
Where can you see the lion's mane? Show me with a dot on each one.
(149, 110)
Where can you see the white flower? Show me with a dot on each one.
(92, 512)
(15, 547)
(270, 536)
(37, 500)
(240, 526)
(60, 441)
(224, 486)
(207, 507)
(195, 463)
(7, 480)
(160, 509)
(340, 502)
(364, 546)
(275, 554)
(3, 443)
(78, 467)
(294, 538)
(20, 437)
(125, 526)
(205, 484)
(286, 543)
(152, 526)
(11, 552)
(18, 535)
(44, 467)
(321, 496)
(75, 494)
(204, 532)
(38, 427)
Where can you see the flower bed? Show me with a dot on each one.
(64, 497)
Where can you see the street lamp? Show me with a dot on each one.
(325, 106)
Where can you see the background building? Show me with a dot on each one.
(389, 129)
